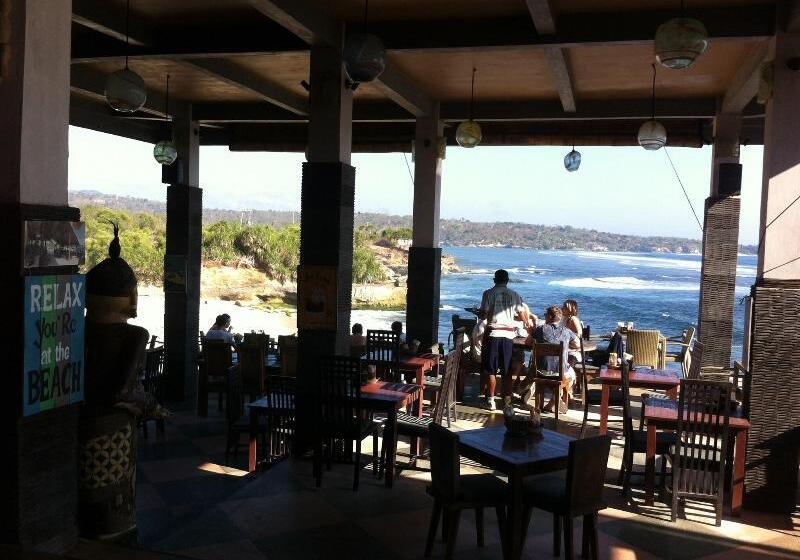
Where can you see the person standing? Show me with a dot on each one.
(501, 307)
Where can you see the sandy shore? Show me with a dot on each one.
(243, 318)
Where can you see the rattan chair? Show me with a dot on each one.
(647, 348)
(342, 416)
(684, 344)
(543, 377)
(383, 352)
(453, 492)
(700, 450)
(576, 492)
(636, 440)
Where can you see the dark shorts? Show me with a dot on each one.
(497, 355)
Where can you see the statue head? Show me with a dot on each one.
(111, 294)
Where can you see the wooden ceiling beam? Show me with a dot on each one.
(91, 83)
(397, 87)
(82, 114)
(544, 20)
(237, 76)
(109, 20)
(744, 85)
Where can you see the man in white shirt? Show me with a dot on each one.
(502, 308)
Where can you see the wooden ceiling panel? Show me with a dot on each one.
(184, 82)
(624, 72)
(601, 6)
(400, 10)
(188, 11)
(508, 74)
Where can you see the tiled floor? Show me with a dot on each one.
(189, 504)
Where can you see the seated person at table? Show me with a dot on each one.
(407, 348)
(221, 329)
(358, 341)
(518, 352)
(571, 320)
(553, 332)
(500, 307)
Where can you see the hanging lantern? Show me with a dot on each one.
(364, 57)
(125, 91)
(680, 41)
(652, 134)
(572, 161)
(165, 152)
(468, 133)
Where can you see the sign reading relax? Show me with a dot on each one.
(54, 323)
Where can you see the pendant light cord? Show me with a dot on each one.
(366, 11)
(166, 102)
(653, 97)
(127, 31)
(472, 95)
(678, 177)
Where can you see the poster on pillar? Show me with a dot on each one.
(316, 297)
(54, 329)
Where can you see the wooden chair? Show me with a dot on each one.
(741, 386)
(576, 492)
(546, 378)
(281, 391)
(415, 427)
(692, 361)
(647, 348)
(434, 384)
(701, 447)
(342, 416)
(684, 345)
(594, 396)
(238, 422)
(217, 358)
(466, 325)
(636, 440)
(453, 492)
(287, 349)
(383, 352)
(153, 383)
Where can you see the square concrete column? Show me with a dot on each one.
(325, 275)
(39, 467)
(182, 261)
(425, 255)
(720, 244)
(772, 446)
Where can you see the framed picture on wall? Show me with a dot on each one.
(316, 297)
(50, 243)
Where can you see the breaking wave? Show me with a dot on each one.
(625, 283)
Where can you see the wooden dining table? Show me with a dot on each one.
(641, 378)
(516, 457)
(666, 418)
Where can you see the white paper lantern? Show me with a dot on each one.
(652, 135)
(680, 41)
(468, 134)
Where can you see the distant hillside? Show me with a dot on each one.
(454, 232)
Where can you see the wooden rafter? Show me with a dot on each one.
(544, 19)
(744, 85)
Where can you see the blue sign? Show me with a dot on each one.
(54, 326)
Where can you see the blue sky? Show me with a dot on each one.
(619, 189)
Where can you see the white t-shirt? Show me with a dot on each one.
(218, 334)
(501, 305)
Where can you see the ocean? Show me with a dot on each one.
(654, 290)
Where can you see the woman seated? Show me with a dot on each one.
(221, 330)
(571, 320)
(553, 332)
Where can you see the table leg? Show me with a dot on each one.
(650, 465)
(604, 410)
(390, 437)
(737, 484)
(513, 541)
(252, 451)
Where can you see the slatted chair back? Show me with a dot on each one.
(281, 392)
(252, 367)
(467, 324)
(234, 409)
(218, 357)
(383, 351)
(581, 366)
(643, 345)
(688, 340)
(698, 465)
(627, 417)
(340, 394)
(448, 384)
(586, 473)
(287, 348)
(541, 355)
(256, 339)
(695, 361)
(153, 381)
(742, 382)
(445, 464)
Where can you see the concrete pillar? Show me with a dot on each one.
(772, 446)
(39, 472)
(720, 244)
(326, 230)
(425, 255)
(182, 260)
